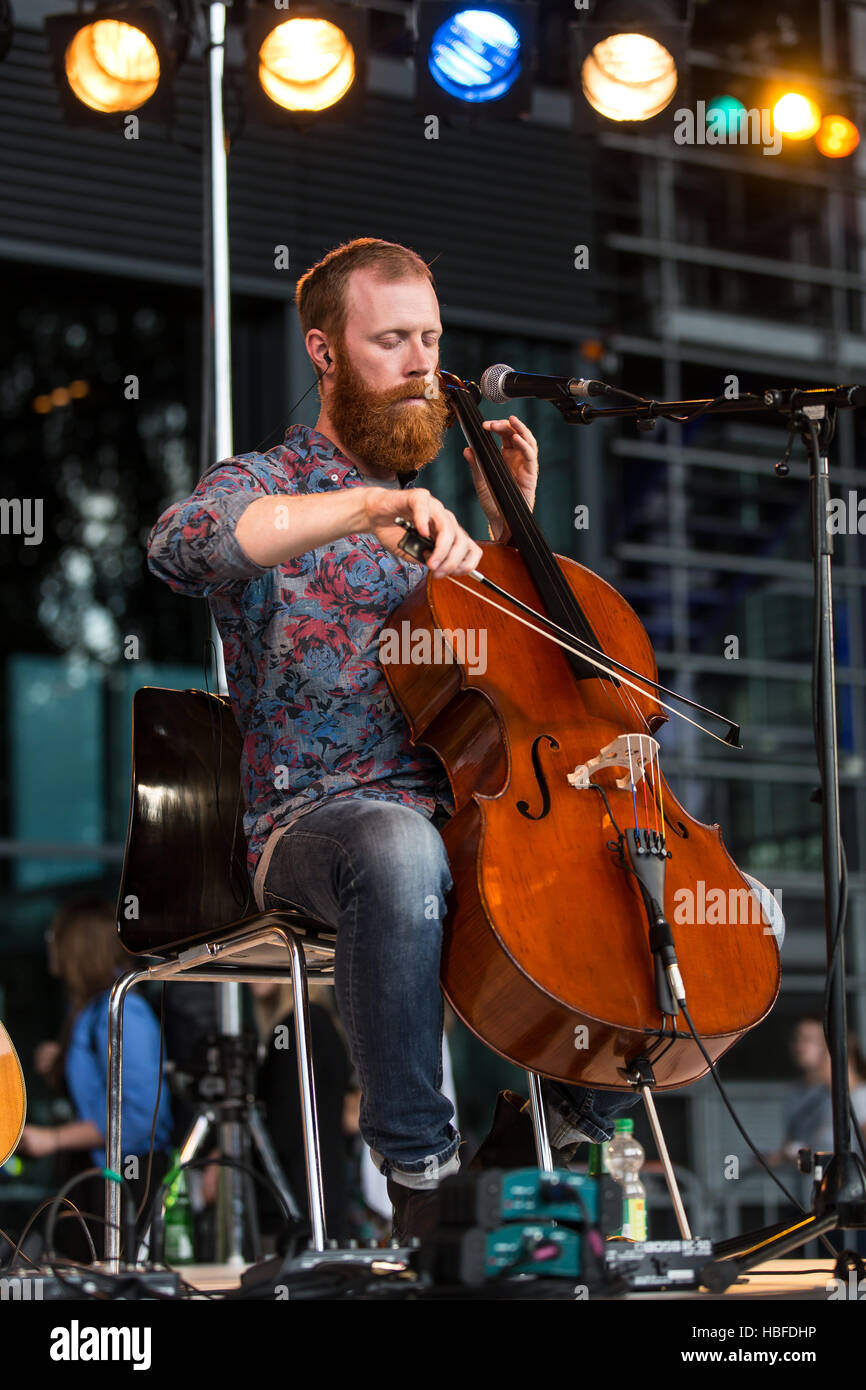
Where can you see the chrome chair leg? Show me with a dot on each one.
(309, 1120)
(114, 1098)
(539, 1123)
(175, 970)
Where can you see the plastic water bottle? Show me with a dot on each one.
(625, 1158)
(178, 1219)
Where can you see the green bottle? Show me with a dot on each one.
(625, 1157)
(179, 1249)
(597, 1160)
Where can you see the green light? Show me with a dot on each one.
(725, 113)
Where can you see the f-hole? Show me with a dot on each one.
(523, 806)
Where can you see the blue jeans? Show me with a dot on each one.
(378, 873)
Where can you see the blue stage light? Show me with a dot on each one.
(476, 56)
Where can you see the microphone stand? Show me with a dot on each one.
(839, 1178)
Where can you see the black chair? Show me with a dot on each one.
(185, 898)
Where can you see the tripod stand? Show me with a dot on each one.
(224, 1088)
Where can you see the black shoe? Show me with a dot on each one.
(511, 1140)
(416, 1211)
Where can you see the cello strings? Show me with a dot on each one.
(658, 780)
(591, 661)
(631, 776)
(619, 666)
(626, 700)
(615, 675)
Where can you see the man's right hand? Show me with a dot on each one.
(454, 552)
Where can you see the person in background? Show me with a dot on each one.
(808, 1108)
(85, 953)
(808, 1114)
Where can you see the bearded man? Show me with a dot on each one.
(296, 552)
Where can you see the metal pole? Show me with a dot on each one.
(828, 754)
(230, 1208)
(222, 365)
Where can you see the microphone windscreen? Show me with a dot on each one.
(491, 383)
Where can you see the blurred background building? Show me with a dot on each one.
(563, 241)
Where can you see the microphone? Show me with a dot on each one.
(502, 383)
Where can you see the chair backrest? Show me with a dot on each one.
(184, 867)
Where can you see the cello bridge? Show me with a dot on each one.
(634, 752)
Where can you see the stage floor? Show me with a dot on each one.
(794, 1279)
(788, 1279)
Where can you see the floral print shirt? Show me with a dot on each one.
(300, 642)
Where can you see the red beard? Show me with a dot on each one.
(380, 431)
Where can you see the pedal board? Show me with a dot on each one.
(28, 1285)
(650, 1265)
(497, 1196)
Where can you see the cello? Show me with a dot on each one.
(572, 937)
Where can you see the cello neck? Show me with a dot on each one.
(557, 598)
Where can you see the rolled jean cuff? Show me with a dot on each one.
(433, 1170)
(589, 1114)
(592, 1133)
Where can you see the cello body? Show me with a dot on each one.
(546, 954)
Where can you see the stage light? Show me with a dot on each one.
(308, 65)
(629, 77)
(796, 116)
(626, 57)
(726, 114)
(592, 349)
(474, 57)
(60, 396)
(112, 66)
(837, 137)
(115, 60)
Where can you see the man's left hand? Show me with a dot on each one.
(520, 452)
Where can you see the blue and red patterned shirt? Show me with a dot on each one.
(300, 643)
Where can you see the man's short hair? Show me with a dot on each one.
(321, 295)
